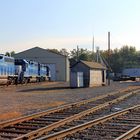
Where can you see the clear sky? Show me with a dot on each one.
(67, 23)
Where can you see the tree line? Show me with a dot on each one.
(125, 57)
(118, 59)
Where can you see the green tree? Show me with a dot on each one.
(64, 51)
(125, 57)
(54, 50)
(10, 53)
(7, 54)
(82, 54)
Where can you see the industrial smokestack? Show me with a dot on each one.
(108, 57)
(93, 48)
(108, 43)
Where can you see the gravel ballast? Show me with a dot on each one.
(23, 100)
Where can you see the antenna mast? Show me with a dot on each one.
(97, 54)
(77, 53)
(93, 45)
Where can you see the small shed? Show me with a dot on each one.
(94, 74)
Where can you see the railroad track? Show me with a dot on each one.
(133, 134)
(122, 125)
(36, 125)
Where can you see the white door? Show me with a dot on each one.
(52, 71)
(80, 79)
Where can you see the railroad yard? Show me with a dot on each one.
(67, 113)
(22, 100)
(70, 70)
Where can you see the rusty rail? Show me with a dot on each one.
(46, 129)
(17, 123)
(130, 134)
(62, 134)
(35, 115)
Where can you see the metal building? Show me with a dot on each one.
(57, 63)
(94, 74)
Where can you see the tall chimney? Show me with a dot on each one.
(108, 43)
(108, 56)
(93, 48)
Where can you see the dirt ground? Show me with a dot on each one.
(21, 100)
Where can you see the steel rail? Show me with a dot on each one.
(131, 133)
(60, 108)
(38, 132)
(50, 127)
(49, 111)
(82, 114)
(62, 134)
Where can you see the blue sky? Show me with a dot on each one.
(68, 23)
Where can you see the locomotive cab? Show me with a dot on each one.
(7, 69)
(22, 71)
(43, 72)
(33, 71)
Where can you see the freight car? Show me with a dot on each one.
(21, 71)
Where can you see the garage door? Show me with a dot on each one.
(95, 77)
(52, 68)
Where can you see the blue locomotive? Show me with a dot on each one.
(7, 68)
(21, 70)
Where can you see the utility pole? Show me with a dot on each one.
(109, 57)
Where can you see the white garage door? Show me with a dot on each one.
(95, 77)
(52, 71)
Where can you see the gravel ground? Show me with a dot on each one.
(22, 100)
(134, 100)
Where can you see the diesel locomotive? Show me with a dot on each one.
(14, 71)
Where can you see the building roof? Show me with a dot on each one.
(38, 49)
(92, 65)
(72, 61)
